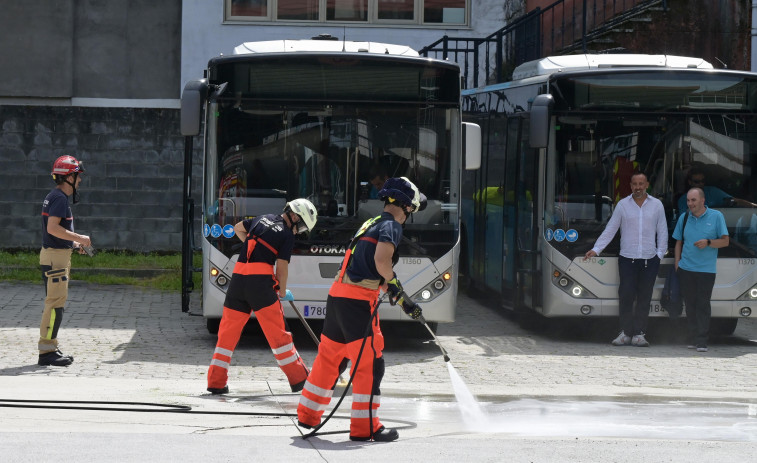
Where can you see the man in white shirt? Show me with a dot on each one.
(643, 242)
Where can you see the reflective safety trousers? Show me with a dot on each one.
(252, 289)
(350, 310)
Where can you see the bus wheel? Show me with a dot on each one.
(723, 326)
(213, 325)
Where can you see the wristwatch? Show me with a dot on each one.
(708, 242)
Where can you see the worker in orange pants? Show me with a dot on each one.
(352, 322)
(256, 286)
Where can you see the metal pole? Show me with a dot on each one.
(433, 335)
(342, 381)
(754, 36)
(583, 29)
(304, 322)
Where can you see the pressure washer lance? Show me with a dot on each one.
(342, 382)
(433, 335)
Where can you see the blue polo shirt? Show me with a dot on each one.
(708, 226)
(713, 197)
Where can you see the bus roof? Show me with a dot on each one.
(295, 46)
(555, 64)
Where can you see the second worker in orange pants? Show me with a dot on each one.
(351, 317)
(256, 286)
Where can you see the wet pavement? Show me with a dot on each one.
(563, 394)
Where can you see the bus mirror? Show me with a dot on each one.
(541, 112)
(191, 106)
(472, 145)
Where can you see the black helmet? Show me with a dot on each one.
(402, 191)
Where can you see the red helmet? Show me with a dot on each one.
(65, 165)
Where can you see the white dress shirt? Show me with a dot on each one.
(639, 226)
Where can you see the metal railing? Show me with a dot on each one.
(561, 28)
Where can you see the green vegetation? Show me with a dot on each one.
(154, 270)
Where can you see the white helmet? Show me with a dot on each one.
(306, 211)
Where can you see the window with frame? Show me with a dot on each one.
(428, 12)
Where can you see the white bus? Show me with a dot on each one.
(560, 142)
(313, 118)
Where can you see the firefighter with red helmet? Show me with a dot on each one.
(256, 286)
(351, 317)
(58, 240)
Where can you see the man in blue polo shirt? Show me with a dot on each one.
(696, 256)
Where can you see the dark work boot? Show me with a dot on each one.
(55, 359)
(219, 390)
(382, 435)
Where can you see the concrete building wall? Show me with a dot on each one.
(119, 49)
(37, 48)
(97, 79)
(131, 190)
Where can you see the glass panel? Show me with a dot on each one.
(668, 90)
(347, 10)
(596, 158)
(329, 78)
(262, 155)
(444, 11)
(491, 201)
(297, 10)
(396, 9)
(249, 7)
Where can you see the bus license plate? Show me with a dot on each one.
(655, 307)
(314, 311)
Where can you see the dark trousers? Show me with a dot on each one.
(637, 277)
(696, 288)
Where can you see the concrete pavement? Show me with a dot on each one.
(135, 345)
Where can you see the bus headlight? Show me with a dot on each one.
(432, 290)
(569, 286)
(218, 278)
(750, 295)
(745, 311)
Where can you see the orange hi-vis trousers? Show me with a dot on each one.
(245, 295)
(342, 323)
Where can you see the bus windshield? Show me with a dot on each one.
(261, 155)
(642, 90)
(596, 154)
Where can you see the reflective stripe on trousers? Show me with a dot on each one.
(319, 387)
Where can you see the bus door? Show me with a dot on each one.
(492, 203)
(525, 268)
